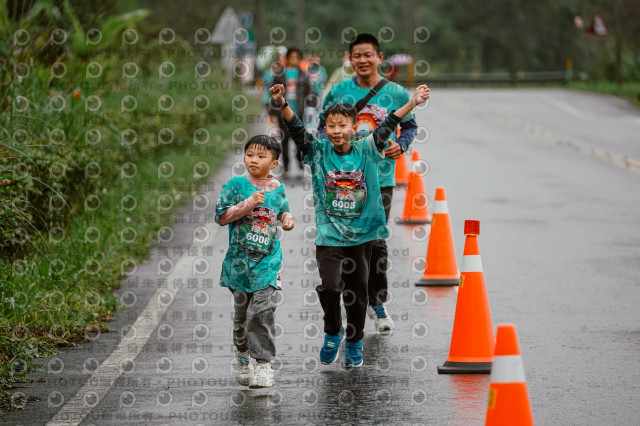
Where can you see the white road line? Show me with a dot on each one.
(566, 107)
(611, 157)
(76, 409)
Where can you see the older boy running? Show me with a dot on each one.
(365, 56)
(346, 192)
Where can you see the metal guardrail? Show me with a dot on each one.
(493, 79)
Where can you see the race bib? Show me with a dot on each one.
(257, 232)
(345, 193)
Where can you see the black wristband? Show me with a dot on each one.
(278, 107)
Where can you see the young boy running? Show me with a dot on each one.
(349, 213)
(251, 205)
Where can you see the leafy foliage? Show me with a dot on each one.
(472, 36)
(67, 137)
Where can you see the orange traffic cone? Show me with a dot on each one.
(402, 171)
(441, 266)
(416, 208)
(415, 156)
(508, 396)
(472, 340)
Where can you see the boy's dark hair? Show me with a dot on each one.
(348, 110)
(291, 50)
(365, 38)
(266, 141)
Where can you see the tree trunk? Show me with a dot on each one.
(410, 28)
(300, 24)
(619, 61)
(261, 36)
(513, 60)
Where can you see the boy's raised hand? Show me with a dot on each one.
(421, 94)
(258, 197)
(277, 93)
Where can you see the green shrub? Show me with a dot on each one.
(66, 145)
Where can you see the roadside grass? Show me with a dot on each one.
(100, 143)
(61, 292)
(629, 91)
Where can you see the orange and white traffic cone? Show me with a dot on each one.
(508, 395)
(416, 208)
(402, 171)
(441, 265)
(472, 340)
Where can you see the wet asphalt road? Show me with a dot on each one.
(560, 246)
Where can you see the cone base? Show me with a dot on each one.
(438, 282)
(465, 368)
(413, 221)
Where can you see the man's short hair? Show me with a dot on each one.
(365, 38)
(266, 141)
(348, 110)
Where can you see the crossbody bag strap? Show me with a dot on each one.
(362, 102)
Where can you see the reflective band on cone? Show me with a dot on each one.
(507, 369)
(441, 207)
(471, 263)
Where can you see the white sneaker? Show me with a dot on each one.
(382, 320)
(243, 368)
(262, 376)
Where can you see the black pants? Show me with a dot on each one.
(344, 271)
(285, 146)
(378, 282)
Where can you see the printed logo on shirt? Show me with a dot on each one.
(369, 117)
(257, 232)
(345, 193)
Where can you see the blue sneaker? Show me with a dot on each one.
(353, 354)
(329, 351)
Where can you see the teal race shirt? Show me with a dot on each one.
(346, 188)
(291, 75)
(391, 97)
(291, 78)
(254, 256)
